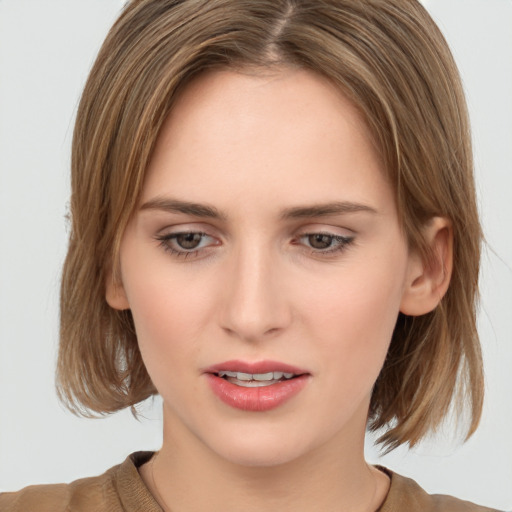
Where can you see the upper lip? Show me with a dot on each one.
(254, 367)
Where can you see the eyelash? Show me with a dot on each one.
(343, 242)
(165, 241)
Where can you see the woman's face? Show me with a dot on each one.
(267, 240)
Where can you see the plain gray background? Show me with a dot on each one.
(46, 50)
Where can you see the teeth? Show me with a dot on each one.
(227, 374)
(260, 377)
(254, 383)
(263, 376)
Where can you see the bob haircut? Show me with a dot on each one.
(391, 61)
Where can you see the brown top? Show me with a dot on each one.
(121, 489)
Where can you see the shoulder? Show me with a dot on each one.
(407, 496)
(116, 490)
(83, 494)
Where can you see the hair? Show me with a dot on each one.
(391, 61)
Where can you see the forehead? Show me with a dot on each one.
(257, 133)
(242, 100)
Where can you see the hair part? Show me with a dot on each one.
(391, 61)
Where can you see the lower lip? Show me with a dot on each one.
(258, 399)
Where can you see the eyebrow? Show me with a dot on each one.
(296, 212)
(325, 210)
(186, 207)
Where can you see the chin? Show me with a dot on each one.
(260, 456)
(262, 447)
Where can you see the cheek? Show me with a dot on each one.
(352, 322)
(168, 311)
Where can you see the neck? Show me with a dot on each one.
(188, 476)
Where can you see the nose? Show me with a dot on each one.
(256, 303)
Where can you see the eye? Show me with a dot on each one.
(188, 241)
(186, 244)
(326, 243)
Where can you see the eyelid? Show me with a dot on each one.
(342, 242)
(167, 240)
(326, 228)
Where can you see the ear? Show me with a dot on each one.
(115, 294)
(428, 281)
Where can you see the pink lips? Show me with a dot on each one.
(259, 399)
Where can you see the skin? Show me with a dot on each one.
(258, 287)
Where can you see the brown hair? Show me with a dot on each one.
(390, 59)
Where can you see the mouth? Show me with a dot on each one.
(256, 386)
(255, 380)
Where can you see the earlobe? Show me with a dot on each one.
(428, 280)
(115, 294)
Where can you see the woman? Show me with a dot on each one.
(274, 227)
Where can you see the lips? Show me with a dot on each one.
(255, 367)
(258, 386)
